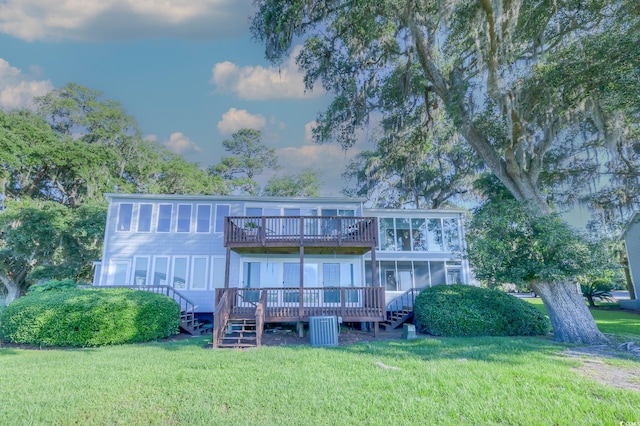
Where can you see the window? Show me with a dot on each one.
(164, 218)
(435, 242)
(218, 266)
(222, 210)
(119, 272)
(403, 234)
(451, 239)
(184, 218)
(419, 234)
(179, 278)
(144, 217)
(141, 267)
(387, 235)
(203, 218)
(199, 273)
(160, 270)
(125, 211)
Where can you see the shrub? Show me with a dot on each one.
(54, 285)
(89, 317)
(462, 310)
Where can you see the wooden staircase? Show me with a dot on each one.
(400, 309)
(189, 324)
(239, 333)
(396, 318)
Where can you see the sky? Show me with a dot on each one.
(188, 71)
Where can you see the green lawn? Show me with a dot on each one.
(427, 381)
(609, 318)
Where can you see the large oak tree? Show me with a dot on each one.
(518, 79)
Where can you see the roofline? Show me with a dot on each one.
(460, 211)
(112, 195)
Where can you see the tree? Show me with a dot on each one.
(250, 158)
(304, 184)
(510, 242)
(518, 79)
(423, 167)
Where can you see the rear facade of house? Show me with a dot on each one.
(311, 256)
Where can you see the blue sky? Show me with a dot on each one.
(187, 70)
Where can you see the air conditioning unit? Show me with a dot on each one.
(323, 331)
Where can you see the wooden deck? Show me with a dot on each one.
(285, 234)
(357, 304)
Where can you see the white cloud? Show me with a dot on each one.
(308, 131)
(123, 19)
(18, 90)
(260, 83)
(180, 144)
(236, 119)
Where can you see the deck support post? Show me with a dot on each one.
(300, 327)
(376, 329)
(226, 268)
(301, 301)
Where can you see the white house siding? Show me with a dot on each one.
(401, 260)
(632, 243)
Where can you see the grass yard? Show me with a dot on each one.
(515, 381)
(609, 317)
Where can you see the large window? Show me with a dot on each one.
(419, 234)
(404, 234)
(119, 272)
(144, 217)
(179, 278)
(160, 270)
(451, 237)
(125, 212)
(388, 234)
(141, 268)
(222, 211)
(434, 239)
(199, 273)
(203, 218)
(184, 218)
(164, 218)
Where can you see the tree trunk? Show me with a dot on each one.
(13, 291)
(571, 319)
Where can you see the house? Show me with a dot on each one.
(631, 238)
(288, 258)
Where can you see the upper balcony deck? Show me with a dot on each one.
(286, 234)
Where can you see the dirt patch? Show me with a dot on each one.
(593, 365)
(282, 337)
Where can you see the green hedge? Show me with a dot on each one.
(89, 317)
(462, 310)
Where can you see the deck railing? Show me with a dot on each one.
(186, 305)
(405, 300)
(220, 317)
(296, 304)
(298, 230)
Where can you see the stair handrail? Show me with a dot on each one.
(406, 299)
(220, 317)
(186, 305)
(260, 317)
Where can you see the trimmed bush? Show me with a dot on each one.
(463, 310)
(89, 317)
(55, 285)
